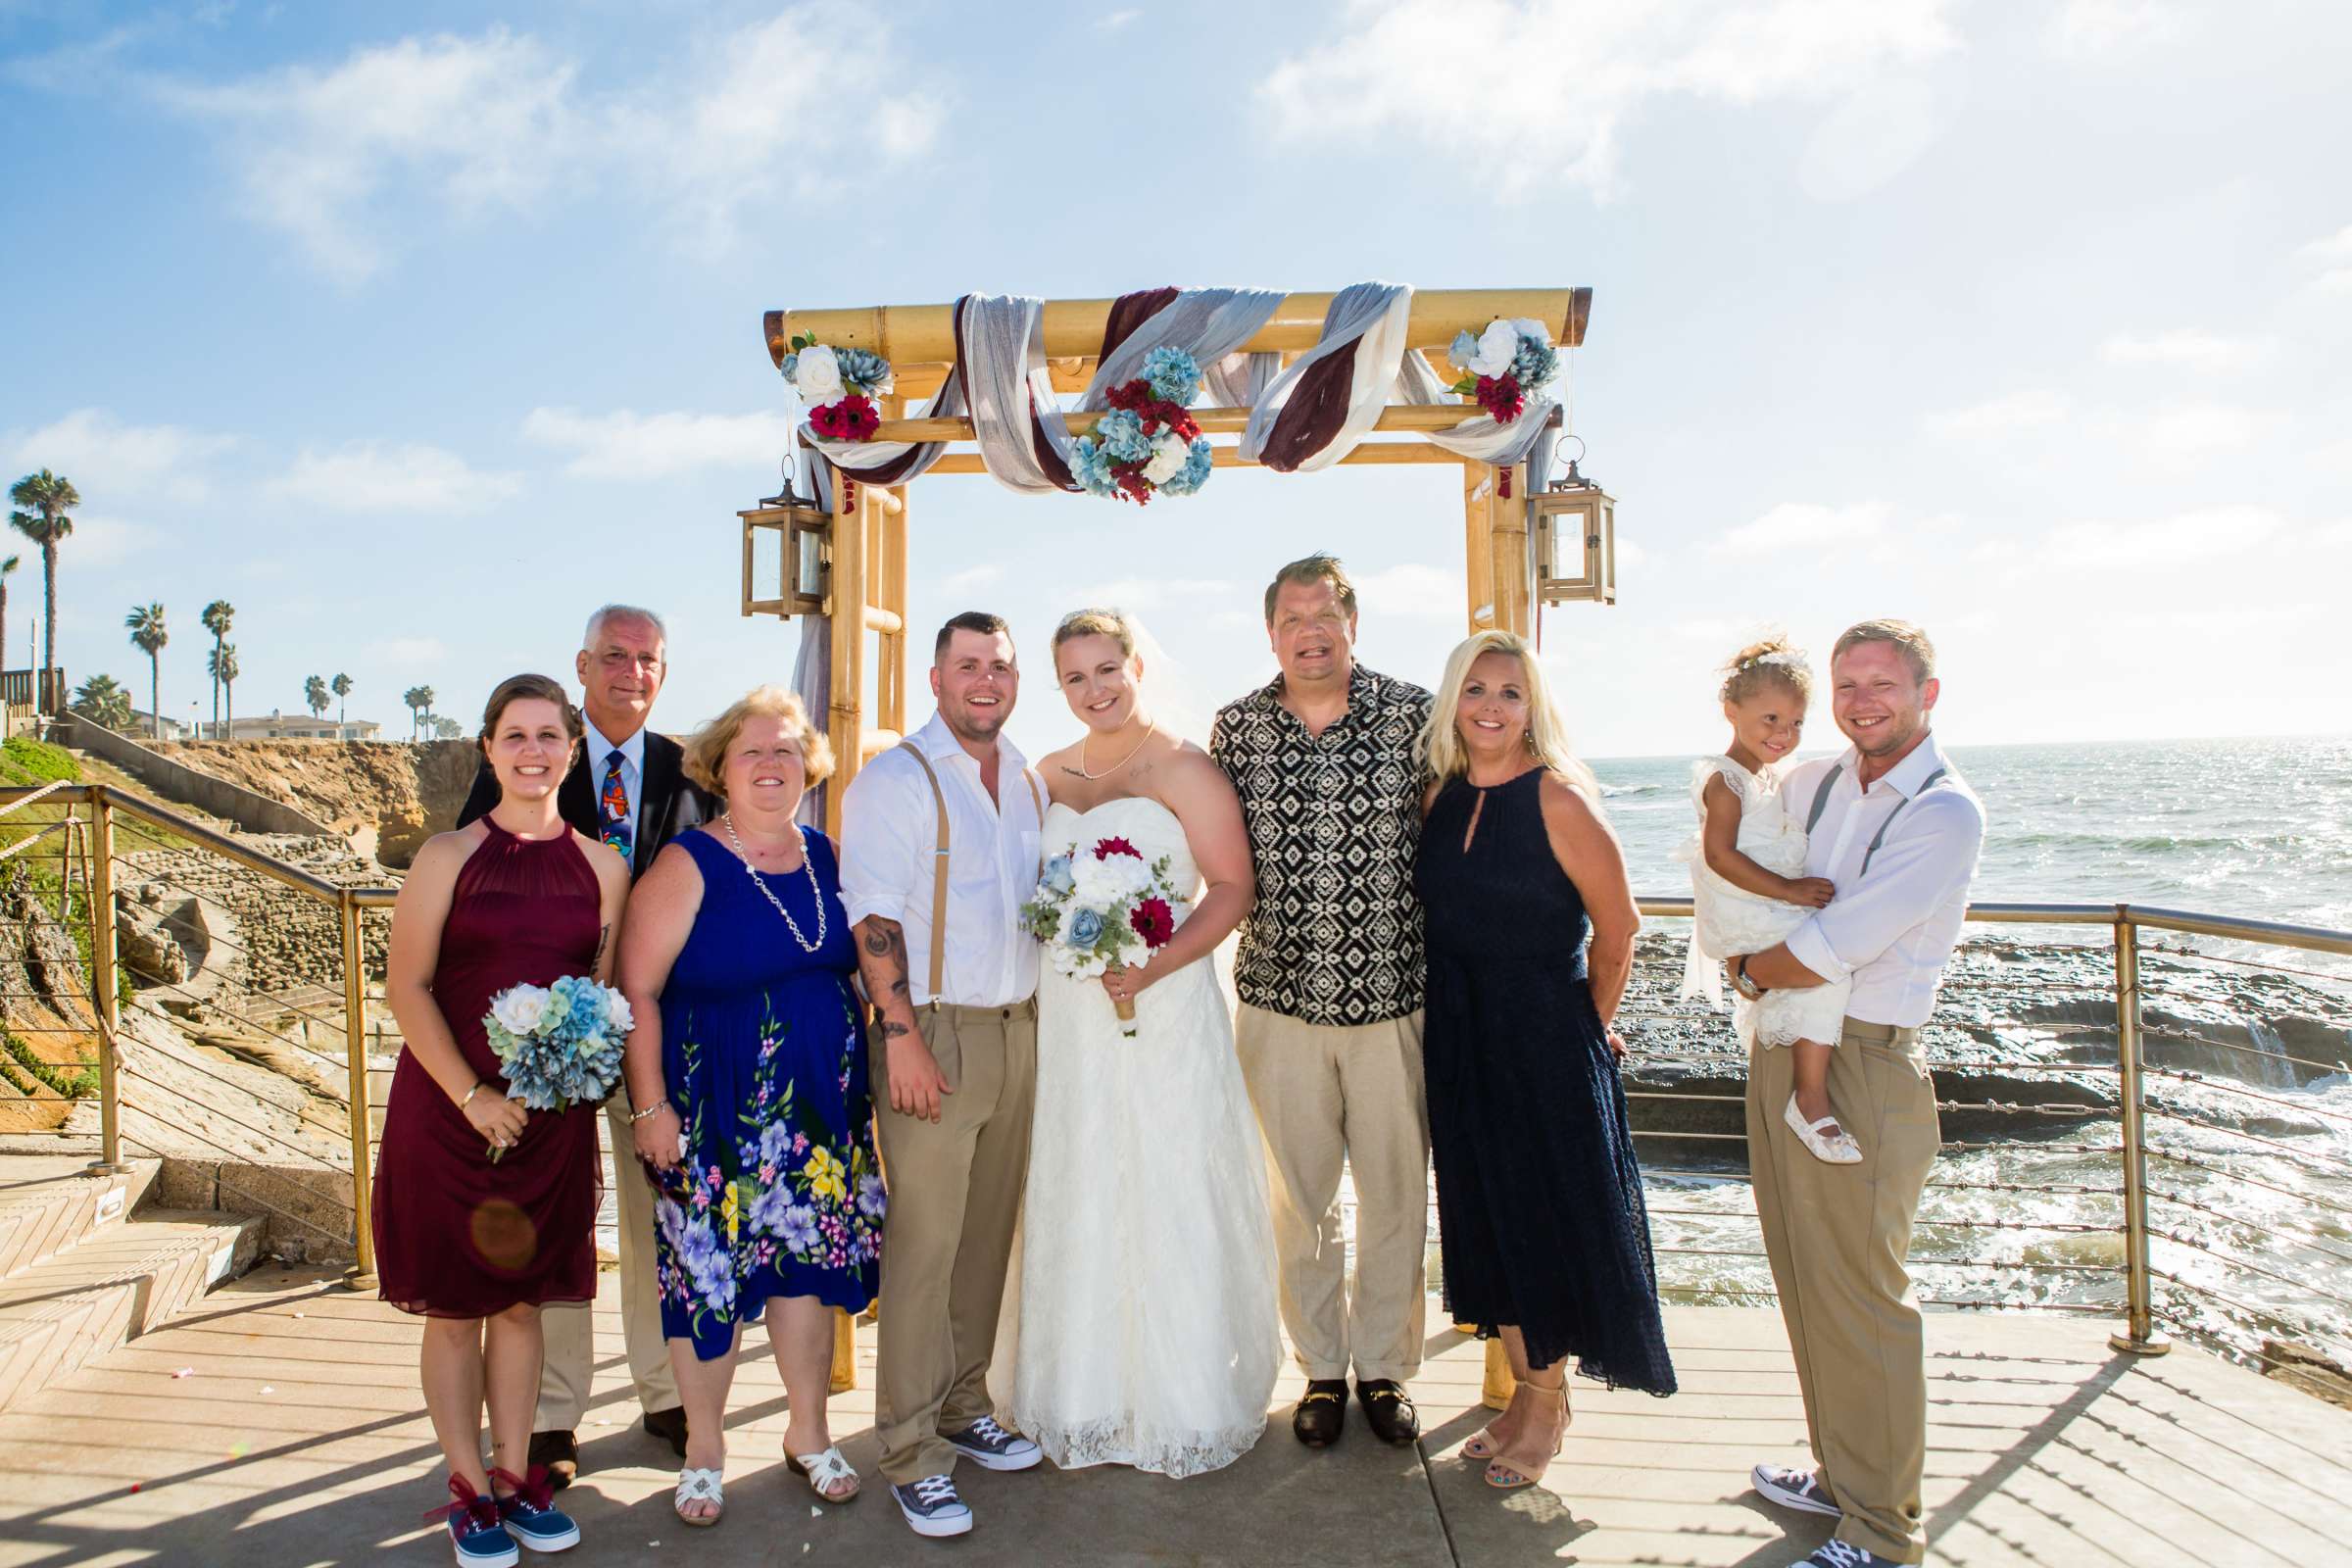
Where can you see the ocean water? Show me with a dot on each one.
(2256, 828)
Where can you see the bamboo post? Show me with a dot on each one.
(1477, 573)
(1510, 567)
(355, 1053)
(846, 610)
(103, 981)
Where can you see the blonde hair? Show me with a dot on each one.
(1440, 747)
(1910, 640)
(1772, 660)
(1112, 623)
(705, 758)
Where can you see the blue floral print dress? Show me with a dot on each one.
(778, 1191)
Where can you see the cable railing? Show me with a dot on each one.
(2256, 1202)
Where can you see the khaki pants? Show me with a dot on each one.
(1328, 1096)
(570, 1364)
(1839, 1237)
(955, 1200)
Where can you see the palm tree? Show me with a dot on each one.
(102, 699)
(314, 695)
(340, 686)
(225, 670)
(7, 570)
(148, 635)
(216, 616)
(45, 499)
(421, 708)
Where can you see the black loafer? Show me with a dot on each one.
(1322, 1411)
(669, 1425)
(1389, 1411)
(560, 1452)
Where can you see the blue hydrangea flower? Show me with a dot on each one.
(1174, 374)
(1121, 433)
(1057, 874)
(1089, 465)
(1086, 928)
(1194, 473)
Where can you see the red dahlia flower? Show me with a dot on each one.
(1153, 921)
(1500, 396)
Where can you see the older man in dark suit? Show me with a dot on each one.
(627, 787)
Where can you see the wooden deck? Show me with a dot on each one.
(278, 1424)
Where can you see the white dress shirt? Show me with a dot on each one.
(890, 836)
(1891, 931)
(599, 753)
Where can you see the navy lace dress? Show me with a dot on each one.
(1541, 1218)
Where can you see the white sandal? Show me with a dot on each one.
(699, 1486)
(1833, 1147)
(825, 1470)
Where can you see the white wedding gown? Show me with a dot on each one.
(1139, 1326)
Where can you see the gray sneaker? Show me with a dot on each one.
(932, 1507)
(1845, 1554)
(992, 1448)
(1790, 1487)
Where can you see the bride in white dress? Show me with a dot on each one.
(1140, 1327)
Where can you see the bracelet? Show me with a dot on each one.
(636, 1116)
(470, 1094)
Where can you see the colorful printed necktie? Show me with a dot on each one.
(612, 806)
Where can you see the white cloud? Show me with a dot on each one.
(2028, 410)
(1877, 134)
(2334, 253)
(2084, 27)
(2175, 541)
(107, 459)
(380, 476)
(2186, 346)
(407, 651)
(1796, 526)
(1390, 64)
(971, 579)
(627, 444)
(1114, 20)
(2189, 434)
(1411, 591)
(1138, 594)
(336, 156)
(100, 539)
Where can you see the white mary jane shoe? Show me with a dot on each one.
(1833, 1148)
(699, 1486)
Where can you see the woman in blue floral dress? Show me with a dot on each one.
(748, 1086)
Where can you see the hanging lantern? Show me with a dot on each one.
(803, 577)
(1576, 542)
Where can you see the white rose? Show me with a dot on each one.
(520, 1010)
(618, 1016)
(1498, 346)
(1168, 457)
(1534, 329)
(817, 374)
(1099, 882)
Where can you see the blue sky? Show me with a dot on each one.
(417, 332)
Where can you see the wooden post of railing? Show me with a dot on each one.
(101, 889)
(354, 1053)
(2139, 1335)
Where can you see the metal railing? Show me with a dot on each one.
(103, 818)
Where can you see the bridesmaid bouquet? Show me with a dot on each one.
(1103, 909)
(560, 1044)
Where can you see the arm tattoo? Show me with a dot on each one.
(602, 937)
(877, 942)
(892, 1031)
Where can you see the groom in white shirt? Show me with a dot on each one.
(1893, 826)
(939, 849)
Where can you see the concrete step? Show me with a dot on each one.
(102, 1292)
(50, 1201)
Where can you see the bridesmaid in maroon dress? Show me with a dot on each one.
(476, 1246)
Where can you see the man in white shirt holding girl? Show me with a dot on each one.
(1891, 823)
(939, 850)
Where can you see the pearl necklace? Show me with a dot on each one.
(808, 865)
(1081, 771)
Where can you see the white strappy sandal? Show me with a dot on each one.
(825, 1471)
(1836, 1147)
(699, 1486)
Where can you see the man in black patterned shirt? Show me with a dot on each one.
(1330, 975)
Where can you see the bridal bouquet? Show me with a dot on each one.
(1147, 444)
(1103, 909)
(1502, 364)
(559, 1044)
(839, 385)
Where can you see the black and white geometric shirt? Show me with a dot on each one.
(1334, 821)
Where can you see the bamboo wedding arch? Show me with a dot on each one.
(849, 562)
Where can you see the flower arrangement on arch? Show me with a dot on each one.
(1147, 444)
(839, 385)
(1503, 365)
(560, 1044)
(1103, 908)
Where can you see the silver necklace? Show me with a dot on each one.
(1081, 771)
(808, 866)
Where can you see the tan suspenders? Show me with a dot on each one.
(938, 862)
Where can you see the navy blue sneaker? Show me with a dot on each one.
(475, 1534)
(992, 1448)
(529, 1512)
(932, 1507)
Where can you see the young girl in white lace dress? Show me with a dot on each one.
(1749, 882)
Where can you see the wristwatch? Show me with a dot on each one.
(1740, 981)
